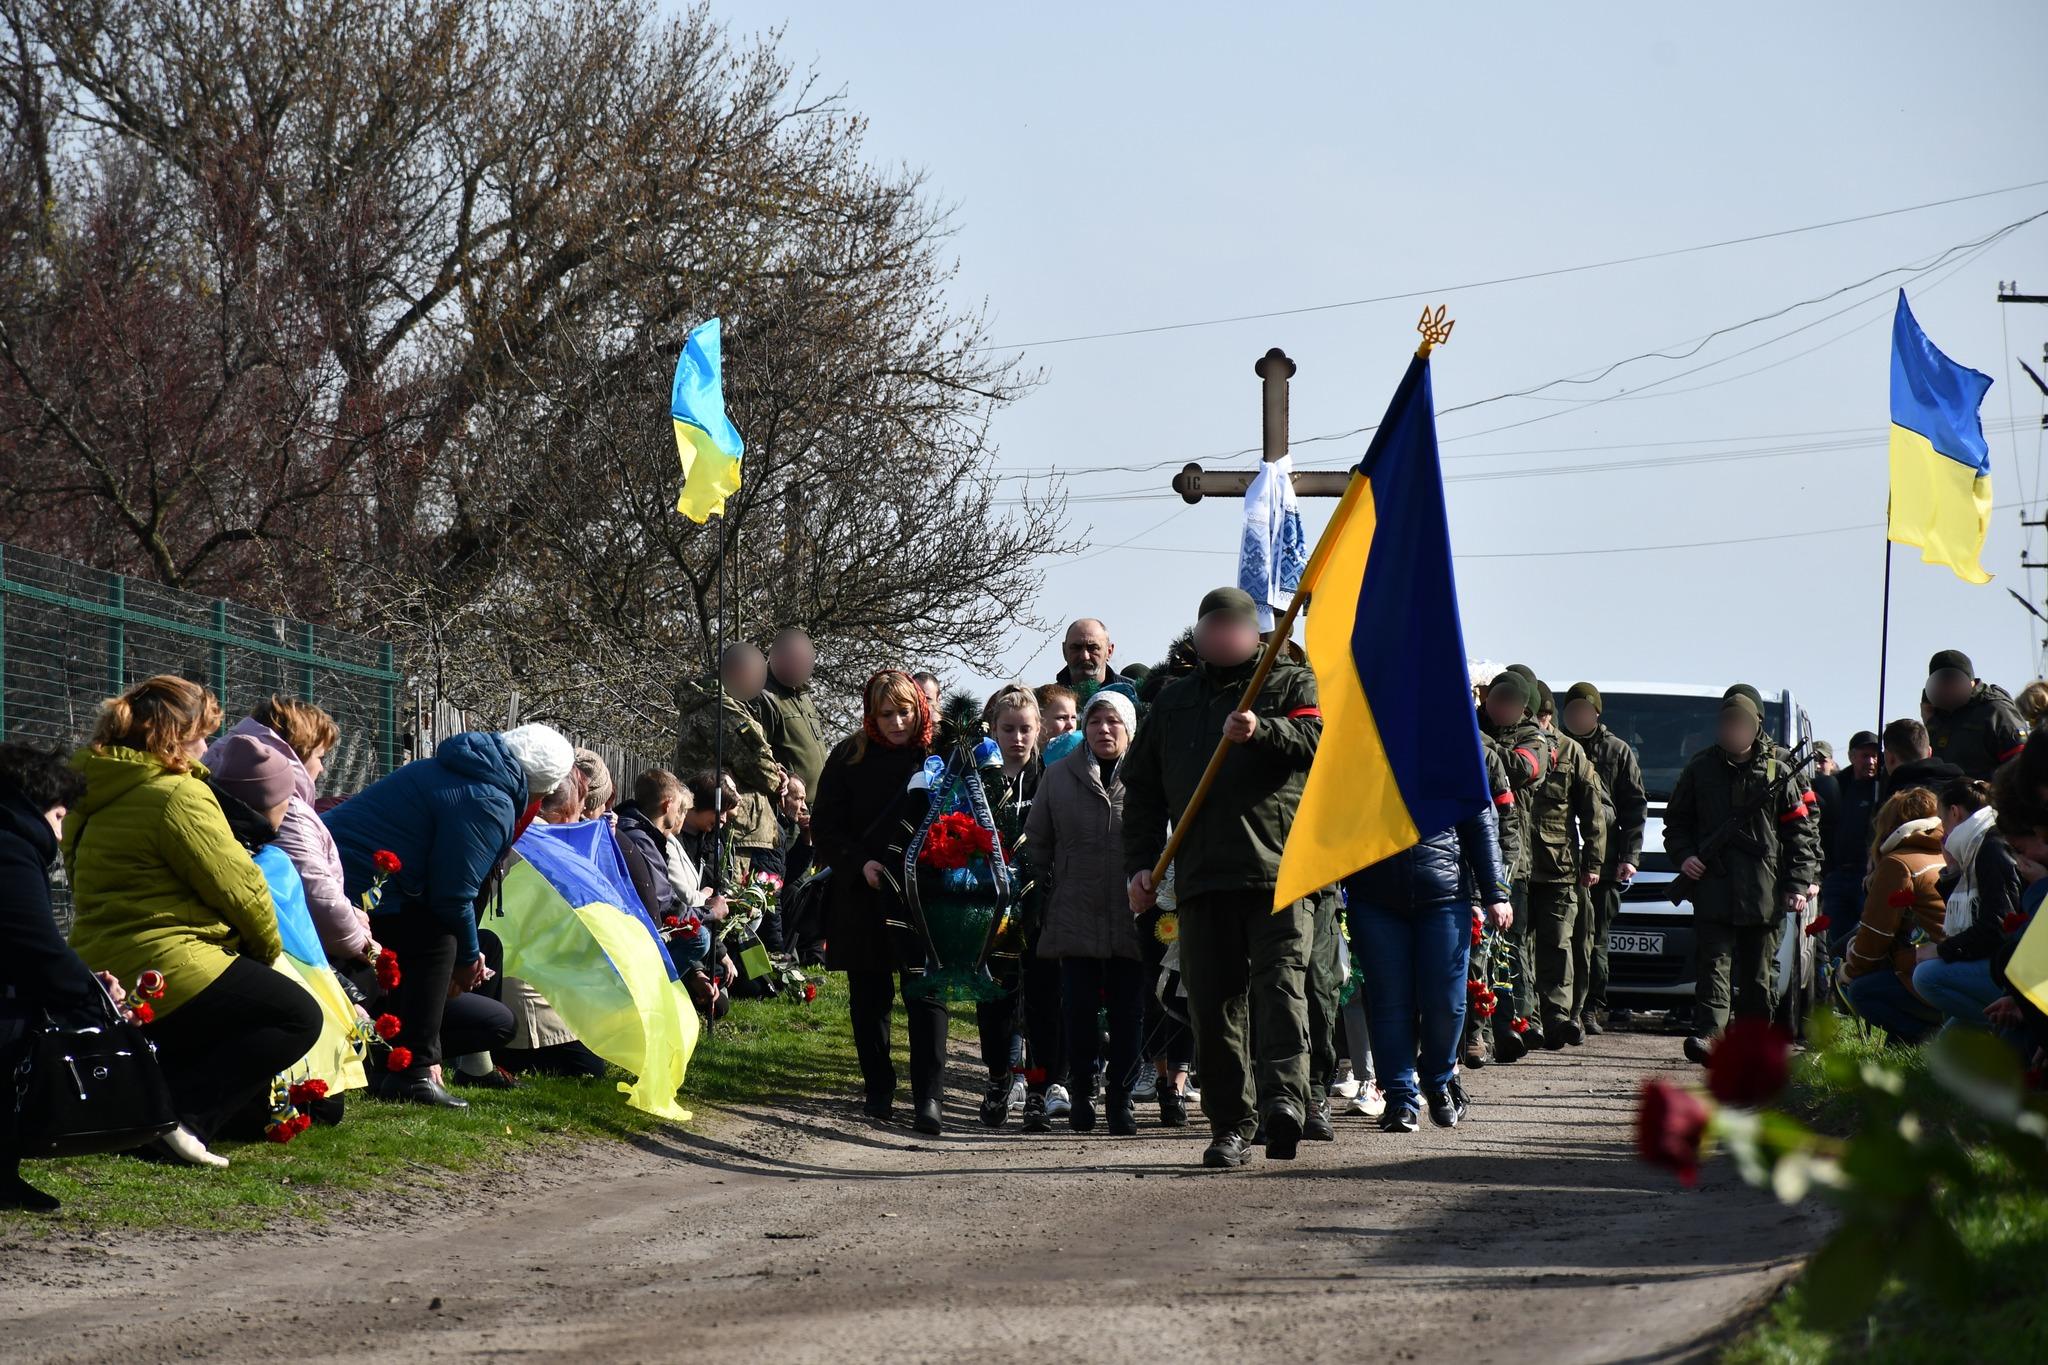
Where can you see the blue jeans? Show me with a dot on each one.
(1412, 962)
(1959, 990)
(1883, 1000)
(687, 952)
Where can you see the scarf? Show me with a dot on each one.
(1962, 845)
(924, 711)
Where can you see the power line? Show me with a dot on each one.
(1509, 279)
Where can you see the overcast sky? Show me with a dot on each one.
(1119, 167)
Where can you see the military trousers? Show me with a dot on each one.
(1734, 972)
(1553, 919)
(1598, 905)
(1325, 988)
(1241, 962)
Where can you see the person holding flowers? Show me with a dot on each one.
(159, 883)
(856, 818)
(1074, 836)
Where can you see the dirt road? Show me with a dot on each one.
(795, 1235)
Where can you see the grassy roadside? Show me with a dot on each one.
(2003, 1226)
(764, 1049)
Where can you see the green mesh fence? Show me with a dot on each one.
(71, 636)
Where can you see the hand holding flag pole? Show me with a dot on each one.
(1436, 330)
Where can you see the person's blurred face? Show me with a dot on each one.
(1545, 718)
(794, 658)
(1088, 650)
(1107, 737)
(745, 675)
(1949, 688)
(1016, 735)
(1226, 639)
(1864, 762)
(2032, 846)
(1736, 732)
(897, 720)
(1504, 708)
(1059, 717)
(1580, 717)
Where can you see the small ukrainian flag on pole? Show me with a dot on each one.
(1940, 463)
(707, 441)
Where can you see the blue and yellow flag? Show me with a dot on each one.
(1399, 758)
(1941, 465)
(708, 443)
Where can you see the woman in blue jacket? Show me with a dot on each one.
(450, 819)
(1411, 936)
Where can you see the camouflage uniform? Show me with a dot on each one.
(1628, 804)
(1568, 824)
(745, 753)
(1524, 752)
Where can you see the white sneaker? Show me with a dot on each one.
(1372, 1101)
(1057, 1103)
(183, 1145)
(1018, 1092)
(1343, 1092)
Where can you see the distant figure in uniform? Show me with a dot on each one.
(1970, 723)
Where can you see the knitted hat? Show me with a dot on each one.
(1755, 697)
(1525, 672)
(1236, 601)
(1117, 700)
(1743, 699)
(546, 756)
(253, 773)
(1511, 684)
(1546, 700)
(1950, 658)
(1586, 692)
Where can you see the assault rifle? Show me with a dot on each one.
(1737, 830)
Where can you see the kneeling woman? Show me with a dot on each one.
(855, 821)
(1075, 836)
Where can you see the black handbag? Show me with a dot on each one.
(92, 1088)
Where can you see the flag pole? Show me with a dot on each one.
(1435, 330)
(1884, 630)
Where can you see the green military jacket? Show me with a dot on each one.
(1776, 851)
(1506, 824)
(1235, 841)
(1979, 735)
(1524, 753)
(794, 731)
(745, 752)
(1567, 816)
(1628, 804)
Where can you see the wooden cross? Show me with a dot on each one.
(1274, 369)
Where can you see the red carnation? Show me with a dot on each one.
(810, 991)
(387, 862)
(1521, 1024)
(387, 1026)
(692, 925)
(2014, 921)
(281, 1131)
(1475, 988)
(399, 1060)
(1671, 1123)
(305, 1092)
(1749, 1063)
(1819, 926)
(142, 1012)
(387, 970)
(1901, 899)
(150, 985)
(672, 921)
(301, 1123)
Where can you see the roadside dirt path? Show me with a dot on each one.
(801, 1234)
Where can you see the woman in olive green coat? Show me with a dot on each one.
(159, 883)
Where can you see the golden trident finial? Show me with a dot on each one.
(1435, 329)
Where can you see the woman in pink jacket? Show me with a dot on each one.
(303, 735)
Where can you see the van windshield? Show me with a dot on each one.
(1666, 731)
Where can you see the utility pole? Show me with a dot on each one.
(2009, 292)
(1274, 370)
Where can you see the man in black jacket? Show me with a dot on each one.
(38, 970)
(1909, 760)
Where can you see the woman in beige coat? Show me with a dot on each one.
(1074, 840)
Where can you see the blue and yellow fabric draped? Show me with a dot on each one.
(574, 927)
(1399, 758)
(708, 443)
(1941, 465)
(333, 1058)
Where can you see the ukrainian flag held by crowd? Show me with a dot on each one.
(1400, 756)
(1940, 463)
(706, 440)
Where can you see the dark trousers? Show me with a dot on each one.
(870, 1004)
(1246, 968)
(1325, 988)
(1167, 1039)
(220, 1050)
(1553, 918)
(1599, 905)
(1734, 972)
(1087, 986)
(1032, 1006)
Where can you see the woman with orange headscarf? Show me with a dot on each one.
(856, 818)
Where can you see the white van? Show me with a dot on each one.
(1650, 945)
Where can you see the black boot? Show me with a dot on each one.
(1081, 1116)
(1227, 1153)
(1282, 1131)
(930, 1119)
(1316, 1127)
(995, 1102)
(16, 1193)
(1173, 1108)
(416, 1086)
(1035, 1120)
(1123, 1119)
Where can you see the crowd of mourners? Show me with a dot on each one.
(214, 889)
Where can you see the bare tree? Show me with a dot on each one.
(366, 309)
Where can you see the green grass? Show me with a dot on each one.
(764, 1050)
(2003, 1226)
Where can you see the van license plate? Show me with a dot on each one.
(1649, 945)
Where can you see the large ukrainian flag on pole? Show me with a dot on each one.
(1399, 758)
(709, 444)
(1941, 465)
